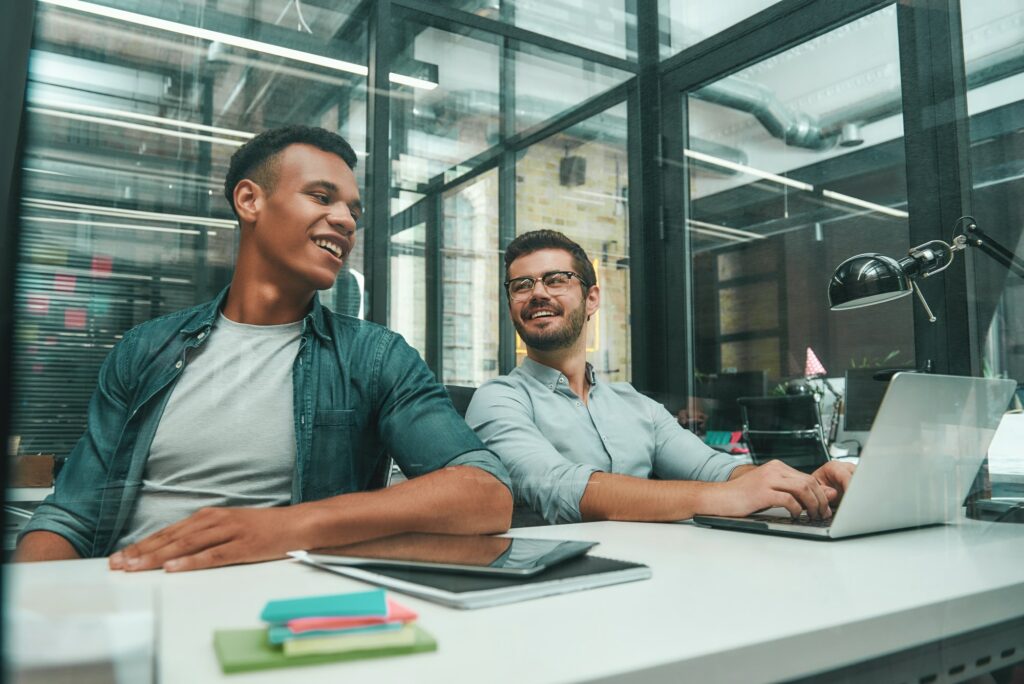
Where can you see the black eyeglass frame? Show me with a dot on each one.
(571, 274)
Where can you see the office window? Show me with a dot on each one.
(795, 164)
(684, 23)
(131, 125)
(992, 35)
(576, 182)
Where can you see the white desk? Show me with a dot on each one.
(721, 607)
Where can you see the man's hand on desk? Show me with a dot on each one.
(214, 537)
(773, 485)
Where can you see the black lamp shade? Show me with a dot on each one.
(867, 279)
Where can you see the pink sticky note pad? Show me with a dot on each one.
(396, 613)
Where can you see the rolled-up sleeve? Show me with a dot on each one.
(550, 484)
(681, 455)
(418, 424)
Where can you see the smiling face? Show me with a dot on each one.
(544, 321)
(301, 231)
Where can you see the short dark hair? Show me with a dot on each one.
(256, 159)
(536, 240)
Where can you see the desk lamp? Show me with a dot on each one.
(872, 278)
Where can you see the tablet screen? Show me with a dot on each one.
(475, 553)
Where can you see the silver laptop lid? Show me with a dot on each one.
(925, 447)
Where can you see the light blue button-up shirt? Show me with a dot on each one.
(551, 442)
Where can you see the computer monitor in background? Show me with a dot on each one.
(721, 392)
(863, 397)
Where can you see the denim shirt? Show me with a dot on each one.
(361, 393)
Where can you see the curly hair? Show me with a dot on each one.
(257, 158)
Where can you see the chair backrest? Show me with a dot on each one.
(787, 428)
(460, 396)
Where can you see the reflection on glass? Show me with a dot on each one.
(605, 25)
(684, 23)
(795, 164)
(408, 286)
(992, 35)
(576, 182)
(435, 131)
(549, 83)
(470, 282)
(133, 112)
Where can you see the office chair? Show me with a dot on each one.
(786, 428)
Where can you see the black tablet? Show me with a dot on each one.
(473, 554)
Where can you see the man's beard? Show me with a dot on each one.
(559, 337)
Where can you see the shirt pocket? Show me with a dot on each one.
(331, 467)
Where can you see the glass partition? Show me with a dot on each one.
(992, 35)
(795, 164)
(134, 110)
(684, 23)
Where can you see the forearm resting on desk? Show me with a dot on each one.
(749, 489)
(456, 500)
(44, 546)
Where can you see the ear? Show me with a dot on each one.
(248, 201)
(593, 300)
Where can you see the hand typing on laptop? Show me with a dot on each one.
(776, 485)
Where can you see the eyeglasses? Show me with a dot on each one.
(555, 282)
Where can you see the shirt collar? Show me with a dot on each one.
(208, 316)
(549, 376)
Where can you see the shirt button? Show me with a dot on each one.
(178, 365)
(551, 387)
(302, 420)
(202, 335)
(561, 380)
(579, 403)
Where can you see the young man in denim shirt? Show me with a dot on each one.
(251, 425)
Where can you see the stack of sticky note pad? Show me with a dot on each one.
(323, 629)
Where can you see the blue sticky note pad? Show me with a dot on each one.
(278, 634)
(355, 604)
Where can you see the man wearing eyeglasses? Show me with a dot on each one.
(578, 449)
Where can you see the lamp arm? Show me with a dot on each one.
(975, 237)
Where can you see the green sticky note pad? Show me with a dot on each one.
(353, 604)
(244, 650)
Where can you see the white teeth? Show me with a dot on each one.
(329, 246)
(542, 314)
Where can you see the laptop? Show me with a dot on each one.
(928, 440)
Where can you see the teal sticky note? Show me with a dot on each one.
(353, 604)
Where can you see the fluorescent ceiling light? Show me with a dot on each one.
(76, 207)
(134, 126)
(881, 208)
(749, 170)
(228, 39)
(123, 114)
(102, 224)
(716, 234)
(726, 229)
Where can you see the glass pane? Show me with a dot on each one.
(132, 123)
(576, 182)
(470, 282)
(993, 34)
(795, 164)
(684, 23)
(549, 83)
(605, 25)
(448, 118)
(408, 291)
